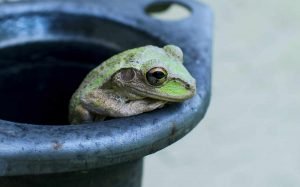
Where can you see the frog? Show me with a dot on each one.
(132, 82)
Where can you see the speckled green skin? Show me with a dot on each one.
(180, 85)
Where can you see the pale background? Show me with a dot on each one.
(250, 136)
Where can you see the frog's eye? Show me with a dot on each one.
(156, 76)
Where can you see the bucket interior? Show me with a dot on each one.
(44, 57)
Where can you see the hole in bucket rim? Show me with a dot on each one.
(168, 11)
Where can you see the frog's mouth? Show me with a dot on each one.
(154, 95)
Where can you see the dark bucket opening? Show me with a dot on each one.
(38, 77)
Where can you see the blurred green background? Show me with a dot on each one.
(250, 135)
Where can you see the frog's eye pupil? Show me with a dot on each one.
(156, 76)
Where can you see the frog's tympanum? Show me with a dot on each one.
(132, 82)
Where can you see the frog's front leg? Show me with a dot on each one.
(105, 102)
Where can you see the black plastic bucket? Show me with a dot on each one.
(46, 48)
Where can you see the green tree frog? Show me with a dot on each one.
(132, 82)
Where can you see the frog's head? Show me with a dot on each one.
(158, 73)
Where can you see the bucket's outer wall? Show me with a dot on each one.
(120, 175)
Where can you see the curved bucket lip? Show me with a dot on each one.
(40, 149)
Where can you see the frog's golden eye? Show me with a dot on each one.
(156, 76)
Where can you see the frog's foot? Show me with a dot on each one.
(80, 115)
(135, 107)
(145, 105)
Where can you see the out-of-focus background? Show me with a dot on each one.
(250, 135)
